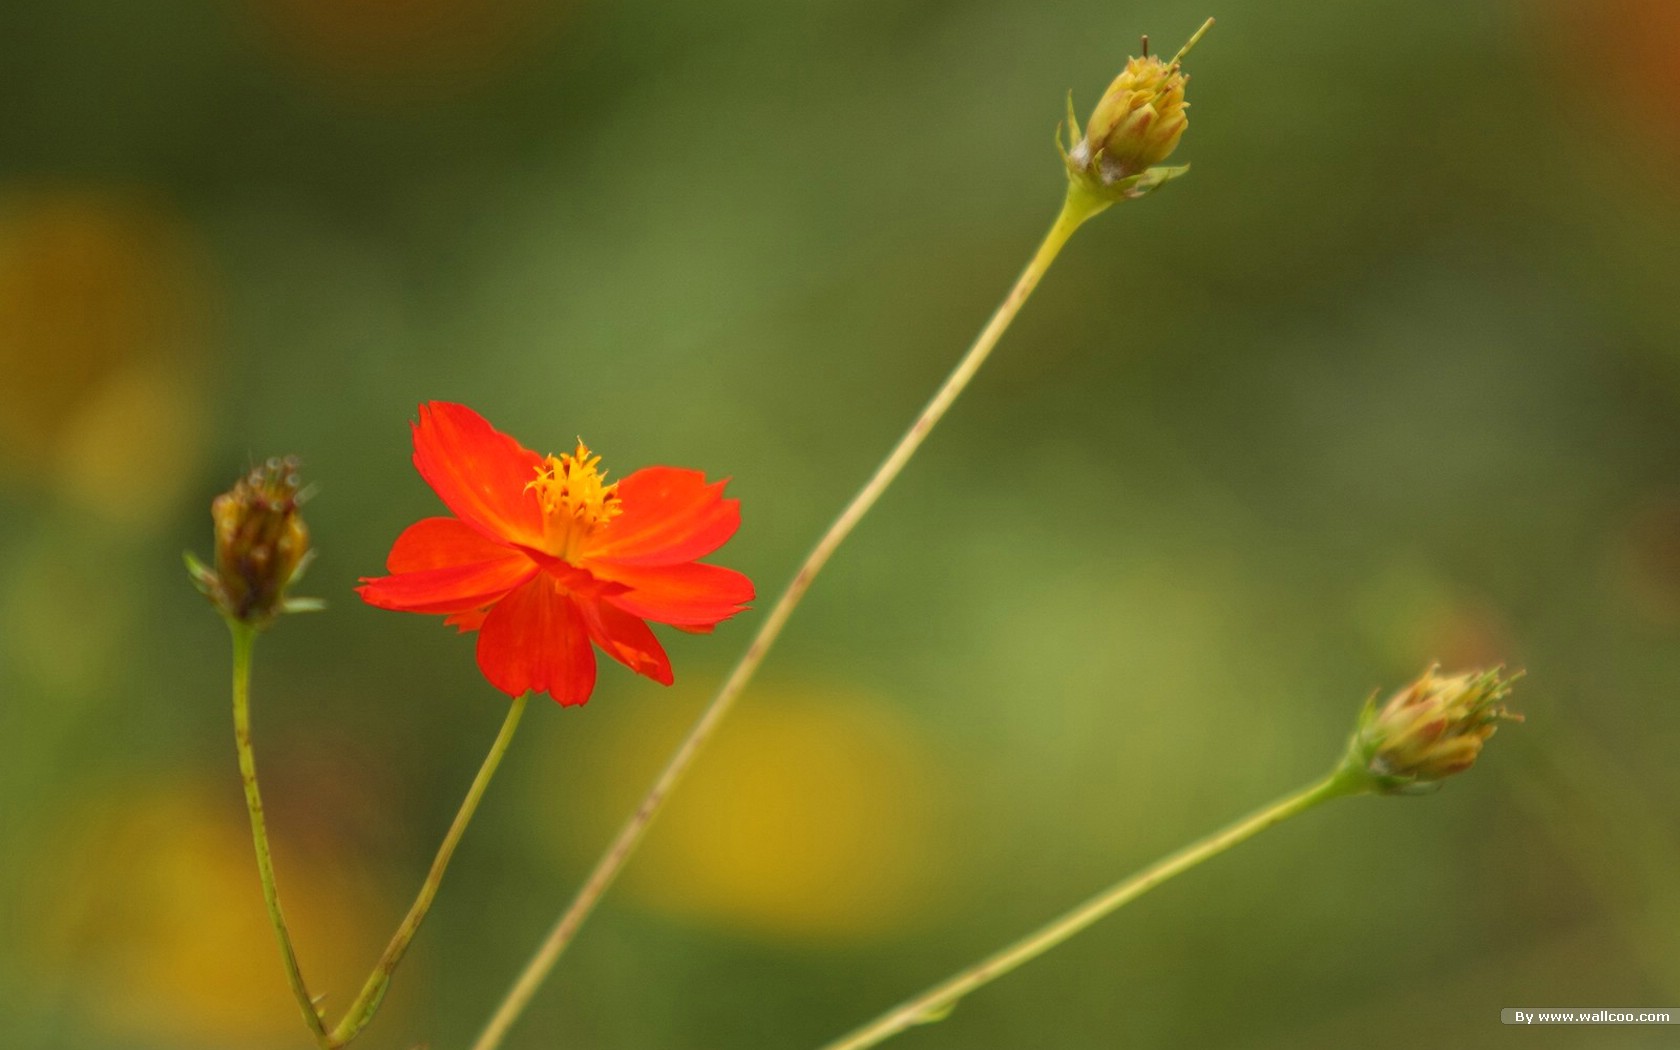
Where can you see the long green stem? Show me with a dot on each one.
(939, 1000)
(244, 637)
(373, 991)
(1077, 208)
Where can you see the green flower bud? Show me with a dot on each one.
(1430, 730)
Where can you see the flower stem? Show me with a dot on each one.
(373, 991)
(244, 637)
(938, 1001)
(1076, 209)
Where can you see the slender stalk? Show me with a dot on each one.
(1078, 207)
(938, 1001)
(373, 991)
(244, 637)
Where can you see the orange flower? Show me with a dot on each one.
(544, 557)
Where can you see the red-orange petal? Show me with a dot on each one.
(479, 472)
(452, 589)
(627, 640)
(437, 543)
(535, 640)
(467, 622)
(692, 595)
(669, 516)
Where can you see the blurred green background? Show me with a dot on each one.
(1391, 378)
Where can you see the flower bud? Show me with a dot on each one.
(1134, 127)
(262, 545)
(1140, 119)
(1430, 730)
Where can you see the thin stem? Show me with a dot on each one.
(936, 1002)
(1078, 207)
(373, 991)
(244, 637)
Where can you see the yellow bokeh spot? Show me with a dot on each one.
(149, 918)
(102, 334)
(814, 815)
(128, 452)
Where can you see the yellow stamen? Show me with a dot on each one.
(574, 494)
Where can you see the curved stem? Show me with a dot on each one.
(373, 991)
(244, 637)
(1078, 207)
(938, 1001)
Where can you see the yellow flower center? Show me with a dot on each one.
(575, 497)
